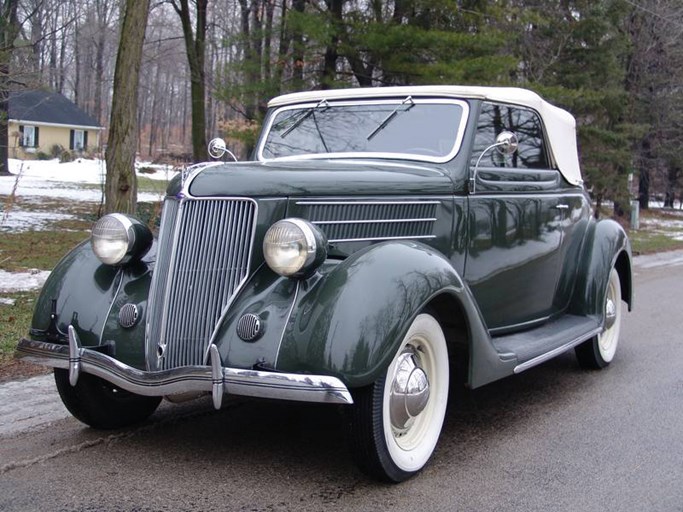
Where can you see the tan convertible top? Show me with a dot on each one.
(559, 124)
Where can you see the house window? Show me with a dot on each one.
(78, 140)
(28, 136)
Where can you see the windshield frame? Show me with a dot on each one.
(457, 143)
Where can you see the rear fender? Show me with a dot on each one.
(607, 246)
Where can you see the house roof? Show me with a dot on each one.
(47, 107)
(560, 124)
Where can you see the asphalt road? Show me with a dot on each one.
(553, 438)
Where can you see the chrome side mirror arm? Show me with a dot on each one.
(506, 143)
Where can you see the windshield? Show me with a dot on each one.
(420, 129)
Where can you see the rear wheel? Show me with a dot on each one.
(395, 423)
(599, 351)
(102, 405)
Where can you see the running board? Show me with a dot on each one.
(538, 345)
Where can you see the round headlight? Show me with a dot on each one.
(294, 247)
(117, 239)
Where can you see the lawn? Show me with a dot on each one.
(16, 310)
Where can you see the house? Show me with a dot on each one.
(40, 120)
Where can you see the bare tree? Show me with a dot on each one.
(121, 184)
(195, 46)
(9, 28)
(105, 11)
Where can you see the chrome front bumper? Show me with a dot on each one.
(189, 379)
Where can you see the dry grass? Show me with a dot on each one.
(660, 230)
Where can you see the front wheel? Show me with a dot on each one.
(102, 405)
(395, 423)
(599, 351)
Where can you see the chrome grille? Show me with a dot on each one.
(366, 221)
(203, 258)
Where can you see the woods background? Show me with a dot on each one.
(617, 65)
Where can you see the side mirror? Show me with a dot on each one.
(218, 148)
(506, 144)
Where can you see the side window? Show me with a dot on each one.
(525, 123)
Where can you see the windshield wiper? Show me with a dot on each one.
(304, 116)
(383, 124)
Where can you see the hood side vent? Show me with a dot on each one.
(352, 221)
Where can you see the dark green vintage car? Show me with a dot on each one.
(378, 239)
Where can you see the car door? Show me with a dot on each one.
(516, 212)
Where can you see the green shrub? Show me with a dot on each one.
(66, 156)
(41, 155)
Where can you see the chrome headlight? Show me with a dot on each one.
(118, 239)
(294, 247)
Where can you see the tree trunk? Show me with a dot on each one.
(250, 55)
(121, 185)
(672, 177)
(329, 72)
(285, 38)
(298, 49)
(62, 58)
(644, 176)
(9, 28)
(77, 58)
(195, 47)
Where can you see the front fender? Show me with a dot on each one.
(88, 295)
(607, 246)
(82, 289)
(349, 323)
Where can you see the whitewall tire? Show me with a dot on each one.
(396, 422)
(599, 351)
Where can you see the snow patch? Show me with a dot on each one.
(22, 281)
(18, 220)
(64, 180)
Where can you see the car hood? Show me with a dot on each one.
(318, 178)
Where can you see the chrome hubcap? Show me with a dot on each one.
(610, 313)
(409, 392)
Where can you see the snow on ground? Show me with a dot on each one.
(665, 226)
(22, 281)
(18, 220)
(64, 180)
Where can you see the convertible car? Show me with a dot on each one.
(377, 239)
